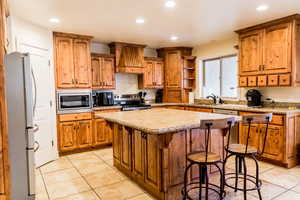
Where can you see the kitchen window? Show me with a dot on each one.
(220, 77)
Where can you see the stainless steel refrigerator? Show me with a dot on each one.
(21, 104)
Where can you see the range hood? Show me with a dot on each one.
(129, 57)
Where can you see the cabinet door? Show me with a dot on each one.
(138, 156)
(277, 49)
(173, 69)
(274, 142)
(126, 148)
(96, 72)
(117, 134)
(149, 80)
(64, 62)
(250, 53)
(253, 136)
(159, 74)
(108, 75)
(84, 133)
(152, 162)
(99, 130)
(82, 63)
(67, 136)
(172, 95)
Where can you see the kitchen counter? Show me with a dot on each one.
(159, 121)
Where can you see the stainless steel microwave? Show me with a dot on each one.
(74, 101)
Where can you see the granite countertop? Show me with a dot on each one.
(107, 107)
(159, 121)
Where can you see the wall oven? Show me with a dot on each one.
(74, 101)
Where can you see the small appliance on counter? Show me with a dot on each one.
(159, 96)
(101, 98)
(254, 98)
(131, 102)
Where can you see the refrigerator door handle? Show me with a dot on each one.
(35, 91)
(37, 147)
(35, 128)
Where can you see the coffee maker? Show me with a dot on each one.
(254, 98)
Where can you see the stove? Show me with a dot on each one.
(130, 102)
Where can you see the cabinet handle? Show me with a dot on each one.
(76, 81)
(72, 81)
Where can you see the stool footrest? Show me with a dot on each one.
(249, 178)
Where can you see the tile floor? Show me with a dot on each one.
(91, 176)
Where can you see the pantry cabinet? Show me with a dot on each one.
(153, 76)
(268, 53)
(103, 71)
(72, 61)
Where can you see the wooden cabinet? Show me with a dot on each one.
(268, 51)
(103, 71)
(102, 132)
(72, 60)
(153, 74)
(74, 131)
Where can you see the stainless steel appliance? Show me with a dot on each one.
(73, 101)
(254, 98)
(21, 103)
(130, 102)
(101, 98)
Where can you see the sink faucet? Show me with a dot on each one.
(213, 97)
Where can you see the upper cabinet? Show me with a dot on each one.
(179, 73)
(153, 76)
(103, 71)
(129, 57)
(72, 60)
(269, 53)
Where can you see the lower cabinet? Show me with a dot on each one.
(84, 133)
(102, 132)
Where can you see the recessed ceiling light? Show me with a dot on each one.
(173, 38)
(262, 7)
(54, 20)
(170, 4)
(140, 21)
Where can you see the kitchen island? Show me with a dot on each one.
(150, 146)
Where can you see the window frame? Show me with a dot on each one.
(220, 58)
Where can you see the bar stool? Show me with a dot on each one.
(241, 151)
(204, 159)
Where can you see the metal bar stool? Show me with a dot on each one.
(241, 151)
(204, 159)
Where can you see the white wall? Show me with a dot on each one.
(126, 83)
(226, 47)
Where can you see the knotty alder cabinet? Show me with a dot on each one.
(72, 61)
(153, 76)
(269, 53)
(179, 73)
(282, 139)
(103, 71)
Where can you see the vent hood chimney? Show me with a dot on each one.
(129, 57)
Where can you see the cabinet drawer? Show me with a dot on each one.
(243, 81)
(272, 80)
(276, 119)
(285, 79)
(74, 117)
(262, 81)
(252, 81)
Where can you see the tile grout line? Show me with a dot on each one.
(45, 185)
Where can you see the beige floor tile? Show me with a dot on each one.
(110, 162)
(90, 195)
(289, 195)
(61, 163)
(67, 188)
(61, 175)
(108, 177)
(296, 189)
(105, 154)
(119, 191)
(80, 155)
(41, 196)
(86, 160)
(93, 168)
(269, 191)
(142, 197)
(39, 185)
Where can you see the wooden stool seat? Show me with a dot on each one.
(241, 148)
(199, 157)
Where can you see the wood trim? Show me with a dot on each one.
(103, 55)
(126, 44)
(72, 35)
(220, 57)
(154, 59)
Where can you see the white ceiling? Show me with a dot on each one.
(193, 21)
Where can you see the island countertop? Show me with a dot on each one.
(159, 121)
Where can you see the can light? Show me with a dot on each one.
(54, 20)
(173, 38)
(140, 21)
(263, 7)
(170, 4)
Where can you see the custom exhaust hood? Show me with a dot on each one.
(129, 57)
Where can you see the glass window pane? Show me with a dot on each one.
(229, 77)
(211, 82)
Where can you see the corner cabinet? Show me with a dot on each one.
(103, 71)
(179, 73)
(72, 61)
(268, 53)
(153, 76)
